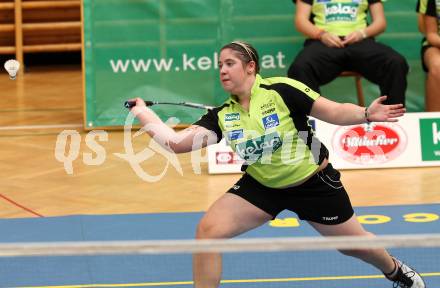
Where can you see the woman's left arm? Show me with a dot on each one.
(351, 114)
(378, 23)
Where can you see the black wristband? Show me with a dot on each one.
(367, 115)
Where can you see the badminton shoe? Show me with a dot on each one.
(406, 277)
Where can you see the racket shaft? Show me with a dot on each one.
(131, 103)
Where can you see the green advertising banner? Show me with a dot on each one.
(166, 50)
(430, 139)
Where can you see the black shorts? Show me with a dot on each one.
(422, 54)
(321, 199)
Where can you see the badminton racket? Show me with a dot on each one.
(132, 103)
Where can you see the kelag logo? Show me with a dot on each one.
(430, 138)
(369, 143)
(252, 150)
(341, 12)
(232, 116)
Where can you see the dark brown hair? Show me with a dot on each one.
(245, 52)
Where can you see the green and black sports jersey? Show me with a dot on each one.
(340, 17)
(433, 9)
(421, 7)
(274, 136)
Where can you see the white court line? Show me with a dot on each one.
(30, 127)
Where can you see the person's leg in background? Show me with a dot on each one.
(381, 65)
(431, 60)
(316, 64)
(229, 216)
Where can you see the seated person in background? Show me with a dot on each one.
(421, 10)
(430, 52)
(340, 39)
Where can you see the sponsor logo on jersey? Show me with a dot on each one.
(271, 121)
(232, 116)
(268, 111)
(252, 150)
(267, 108)
(267, 105)
(235, 134)
(230, 125)
(370, 143)
(341, 12)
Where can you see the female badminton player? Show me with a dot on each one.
(259, 119)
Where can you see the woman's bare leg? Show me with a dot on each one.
(379, 258)
(229, 216)
(432, 60)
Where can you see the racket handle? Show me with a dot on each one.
(131, 103)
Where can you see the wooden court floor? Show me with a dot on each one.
(43, 102)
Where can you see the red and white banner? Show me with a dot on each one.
(414, 141)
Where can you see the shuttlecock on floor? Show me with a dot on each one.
(12, 66)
